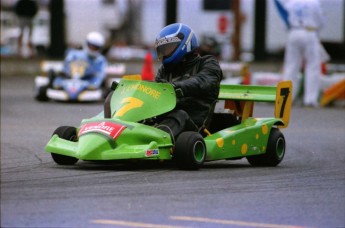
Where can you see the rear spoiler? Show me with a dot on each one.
(242, 97)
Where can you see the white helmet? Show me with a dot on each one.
(94, 43)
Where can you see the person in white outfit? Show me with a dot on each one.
(303, 48)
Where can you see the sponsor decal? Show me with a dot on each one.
(152, 152)
(142, 88)
(110, 129)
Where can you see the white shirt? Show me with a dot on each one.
(304, 14)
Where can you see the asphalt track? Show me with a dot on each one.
(306, 190)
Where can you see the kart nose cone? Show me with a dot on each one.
(91, 145)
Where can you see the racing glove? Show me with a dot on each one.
(161, 80)
(178, 91)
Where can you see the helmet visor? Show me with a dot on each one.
(165, 47)
(93, 47)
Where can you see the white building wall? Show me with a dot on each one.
(86, 15)
(153, 19)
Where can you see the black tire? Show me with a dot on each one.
(275, 151)
(190, 150)
(41, 93)
(68, 133)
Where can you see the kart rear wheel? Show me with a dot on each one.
(275, 151)
(41, 93)
(190, 150)
(68, 133)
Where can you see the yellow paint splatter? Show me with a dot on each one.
(264, 129)
(244, 149)
(220, 142)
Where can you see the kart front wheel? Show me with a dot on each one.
(190, 150)
(41, 93)
(275, 151)
(68, 133)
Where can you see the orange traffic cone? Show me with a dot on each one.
(147, 72)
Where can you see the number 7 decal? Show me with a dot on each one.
(129, 104)
(283, 102)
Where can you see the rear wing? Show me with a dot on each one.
(241, 98)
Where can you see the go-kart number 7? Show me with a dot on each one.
(283, 101)
(129, 103)
(284, 93)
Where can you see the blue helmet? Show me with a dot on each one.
(174, 42)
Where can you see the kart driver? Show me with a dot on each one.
(196, 79)
(89, 63)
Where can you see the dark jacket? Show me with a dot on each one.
(199, 79)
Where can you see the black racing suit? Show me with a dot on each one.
(198, 77)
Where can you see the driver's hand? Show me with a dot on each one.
(149, 121)
(161, 80)
(178, 91)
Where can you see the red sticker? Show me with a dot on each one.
(107, 128)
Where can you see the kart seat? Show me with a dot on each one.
(107, 108)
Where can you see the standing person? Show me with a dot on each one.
(196, 79)
(303, 48)
(26, 11)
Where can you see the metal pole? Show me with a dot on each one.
(260, 30)
(236, 38)
(170, 12)
(57, 29)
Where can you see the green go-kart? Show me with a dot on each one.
(121, 132)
